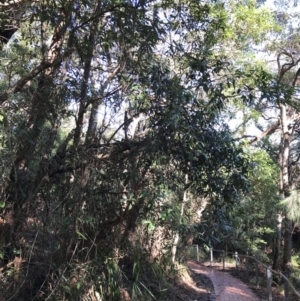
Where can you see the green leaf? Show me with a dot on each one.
(149, 223)
(81, 235)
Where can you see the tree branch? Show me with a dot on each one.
(268, 131)
(23, 81)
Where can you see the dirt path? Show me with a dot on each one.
(227, 288)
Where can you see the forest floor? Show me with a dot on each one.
(192, 287)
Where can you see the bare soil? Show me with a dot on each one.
(197, 287)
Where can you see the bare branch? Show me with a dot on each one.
(282, 69)
(244, 136)
(268, 131)
(268, 118)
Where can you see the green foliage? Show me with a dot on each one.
(251, 23)
(248, 221)
(107, 109)
(292, 204)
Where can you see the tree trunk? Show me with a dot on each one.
(85, 83)
(93, 122)
(175, 244)
(285, 183)
(176, 236)
(277, 244)
(287, 249)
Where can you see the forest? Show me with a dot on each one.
(133, 129)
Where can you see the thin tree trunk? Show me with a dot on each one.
(93, 123)
(176, 236)
(93, 120)
(285, 185)
(277, 244)
(287, 249)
